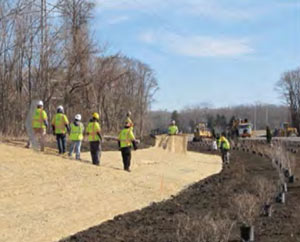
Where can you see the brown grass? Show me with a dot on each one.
(247, 207)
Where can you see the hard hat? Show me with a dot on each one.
(96, 116)
(60, 108)
(173, 122)
(78, 117)
(128, 113)
(40, 103)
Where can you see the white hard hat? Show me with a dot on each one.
(173, 122)
(60, 108)
(40, 103)
(78, 117)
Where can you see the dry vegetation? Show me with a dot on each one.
(47, 53)
(203, 229)
(247, 207)
(265, 190)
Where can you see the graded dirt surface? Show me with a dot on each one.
(179, 218)
(45, 197)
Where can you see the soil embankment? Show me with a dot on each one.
(45, 197)
(178, 219)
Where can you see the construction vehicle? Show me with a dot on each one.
(201, 131)
(286, 130)
(241, 128)
(245, 129)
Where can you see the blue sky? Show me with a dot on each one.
(222, 52)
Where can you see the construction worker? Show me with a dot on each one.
(60, 126)
(126, 141)
(39, 124)
(94, 137)
(214, 145)
(224, 146)
(173, 129)
(76, 136)
(128, 120)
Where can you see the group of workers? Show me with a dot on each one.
(221, 142)
(61, 127)
(126, 140)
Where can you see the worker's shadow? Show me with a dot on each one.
(164, 142)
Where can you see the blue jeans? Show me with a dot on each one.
(75, 146)
(61, 143)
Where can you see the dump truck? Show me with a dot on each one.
(201, 131)
(245, 129)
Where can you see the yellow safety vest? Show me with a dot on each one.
(126, 137)
(92, 129)
(173, 129)
(225, 143)
(38, 118)
(76, 132)
(60, 121)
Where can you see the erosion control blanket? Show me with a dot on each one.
(46, 197)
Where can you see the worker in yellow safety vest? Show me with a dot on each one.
(39, 124)
(173, 129)
(94, 136)
(126, 142)
(224, 146)
(128, 120)
(76, 136)
(60, 126)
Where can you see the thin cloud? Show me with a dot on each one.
(197, 45)
(205, 8)
(117, 19)
(214, 9)
(147, 37)
(127, 4)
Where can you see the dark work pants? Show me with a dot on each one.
(225, 156)
(61, 143)
(126, 155)
(95, 149)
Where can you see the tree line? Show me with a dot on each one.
(260, 115)
(47, 53)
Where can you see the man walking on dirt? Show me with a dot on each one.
(126, 141)
(94, 137)
(76, 136)
(173, 129)
(60, 126)
(39, 124)
(225, 147)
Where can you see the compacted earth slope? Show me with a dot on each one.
(46, 197)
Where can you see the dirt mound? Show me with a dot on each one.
(179, 218)
(172, 143)
(45, 197)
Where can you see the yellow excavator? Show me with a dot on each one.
(201, 131)
(287, 131)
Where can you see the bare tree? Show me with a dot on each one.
(289, 87)
(46, 52)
